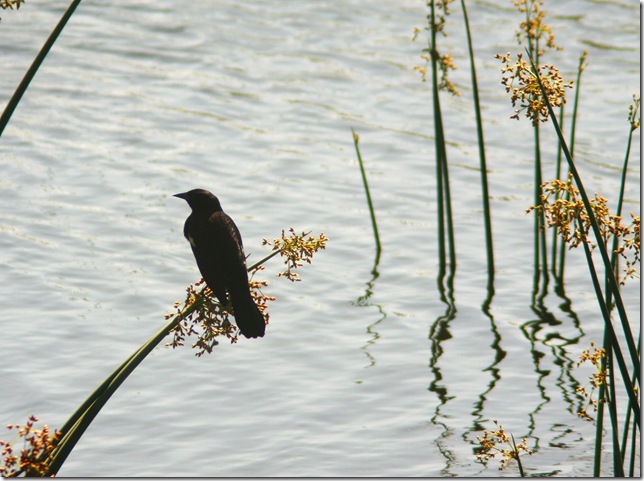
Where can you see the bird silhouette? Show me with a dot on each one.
(217, 246)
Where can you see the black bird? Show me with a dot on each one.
(219, 252)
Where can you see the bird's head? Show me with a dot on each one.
(200, 200)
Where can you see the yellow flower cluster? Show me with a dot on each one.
(296, 249)
(564, 210)
(445, 62)
(4, 4)
(599, 378)
(533, 28)
(201, 314)
(521, 82)
(33, 459)
(204, 316)
(488, 446)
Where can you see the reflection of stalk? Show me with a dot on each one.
(372, 212)
(487, 215)
(439, 332)
(362, 301)
(40, 58)
(374, 272)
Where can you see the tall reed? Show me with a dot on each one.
(487, 213)
(558, 268)
(40, 58)
(446, 243)
(80, 420)
(613, 348)
(372, 212)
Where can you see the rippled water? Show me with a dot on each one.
(358, 375)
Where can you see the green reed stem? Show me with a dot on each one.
(615, 262)
(573, 130)
(487, 214)
(612, 281)
(372, 212)
(611, 400)
(40, 58)
(555, 236)
(622, 187)
(78, 423)
(599, 423)
(444, 203)
(518, 457)
(611, 334)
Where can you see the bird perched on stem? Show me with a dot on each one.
(217, 246)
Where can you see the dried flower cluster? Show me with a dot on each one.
(33, 459)
(533, 28)
(562, 206)
(296, 249)
(445, 62)
(634, 113)
(4, 4)
(522, 82)
(202, 315)
(599, 377)
(489, 449)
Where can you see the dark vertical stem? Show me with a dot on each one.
(601, 245)
(555, 237)
(372, 211)
(573, 129)
(78, 423)
(443, 206)
(611, 401)
(40, 58)
(487, 214)
(612, 338)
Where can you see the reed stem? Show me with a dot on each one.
(487, 213)
(40, 58)
(372, 212)
(78, 423)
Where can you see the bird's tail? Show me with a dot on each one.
(248, 317)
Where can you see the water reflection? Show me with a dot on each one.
(499, 355)
(438, 333)
(547, 334)
(363, 302)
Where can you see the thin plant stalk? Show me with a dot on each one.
(612, 281)
(372, 211)
(611, 400)
(78, 423)
(599, 422)
(573, 130)
(444, 204)
(40, 58)
(614, 263)
(518, 457)
(612, 338)
(540, 255)
(487, 214)
(555, 237)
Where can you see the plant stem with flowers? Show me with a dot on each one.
(200, 314)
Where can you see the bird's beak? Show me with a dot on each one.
(181, 196)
